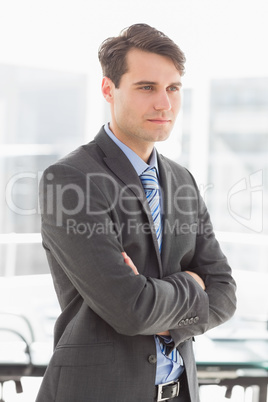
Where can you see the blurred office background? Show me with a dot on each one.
(50, 103)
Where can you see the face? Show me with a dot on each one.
(145, 106)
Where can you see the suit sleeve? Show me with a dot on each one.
(76, 231)
(212, 266)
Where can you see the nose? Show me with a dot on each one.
(162, 101)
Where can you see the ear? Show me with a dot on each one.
(107, 88)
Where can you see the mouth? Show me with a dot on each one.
(159, 121)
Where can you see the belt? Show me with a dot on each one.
(169, 390)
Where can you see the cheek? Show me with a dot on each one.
(133, 109)
(120, 107)
(177, 105)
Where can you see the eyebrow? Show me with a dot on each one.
(155, 83)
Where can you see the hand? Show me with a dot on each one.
(165, 333)
(130, 263)
(197, 278)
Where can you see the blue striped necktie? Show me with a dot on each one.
(151, 188)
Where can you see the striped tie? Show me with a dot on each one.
(151, 188)
(168, 350)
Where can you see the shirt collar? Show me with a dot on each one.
(139, 165)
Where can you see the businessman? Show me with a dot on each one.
(135, 263)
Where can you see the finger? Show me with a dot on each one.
(130, 263)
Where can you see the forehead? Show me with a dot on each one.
(154, 67)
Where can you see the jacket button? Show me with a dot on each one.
(186, 321)
(196, 319)
(152, 359)
(191, 320)
(181, 323)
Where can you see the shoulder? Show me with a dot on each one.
(86, 158)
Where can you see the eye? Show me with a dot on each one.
(147, 88)
(173, 88)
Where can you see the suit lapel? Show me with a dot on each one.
(165, 173)
(120, 165)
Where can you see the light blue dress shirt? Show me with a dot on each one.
(170, 367)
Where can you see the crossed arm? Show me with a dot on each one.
(130, 263)
(103, 282)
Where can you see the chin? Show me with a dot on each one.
(162, 139)
(162, 136)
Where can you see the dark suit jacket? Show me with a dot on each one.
(94, 207)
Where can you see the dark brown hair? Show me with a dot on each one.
(113, 51)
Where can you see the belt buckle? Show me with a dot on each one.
(160, 390)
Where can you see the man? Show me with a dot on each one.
(135, 263)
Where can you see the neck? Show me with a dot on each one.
(144, 154)
(141, 147)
